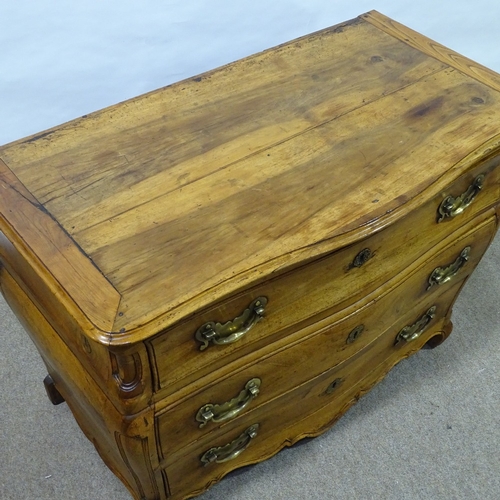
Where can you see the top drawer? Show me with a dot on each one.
(275, 308)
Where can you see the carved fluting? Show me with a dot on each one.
(127, 371)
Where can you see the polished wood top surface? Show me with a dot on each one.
(151, 209)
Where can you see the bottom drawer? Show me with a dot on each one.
(285, 420)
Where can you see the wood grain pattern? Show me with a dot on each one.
(54, 255)
(376, 308)
(309, 294)
(123, 232)
(203, 227)
(191, 172)
(315, 350)
(8, 178)
(111, 432)
(306, 411)
(434, 49)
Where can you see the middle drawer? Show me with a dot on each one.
(309, 352)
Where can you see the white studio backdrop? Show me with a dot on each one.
(60, 59)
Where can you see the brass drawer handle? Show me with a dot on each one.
(441, 275)
(413, 332)
(226, 411)
(451, 207)
(231, 331)
(231, 450)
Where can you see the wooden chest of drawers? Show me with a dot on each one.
(220, 268)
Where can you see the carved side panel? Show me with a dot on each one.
(135, 453)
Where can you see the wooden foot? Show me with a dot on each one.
(53, 394)
(439, 338)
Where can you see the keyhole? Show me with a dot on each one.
(362, 258)
(333, 385)
(355, 334)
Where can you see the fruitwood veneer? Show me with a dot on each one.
(230, 262)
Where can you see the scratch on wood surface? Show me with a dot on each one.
(39, 136)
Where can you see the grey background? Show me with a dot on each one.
(430, 430)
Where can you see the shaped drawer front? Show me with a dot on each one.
(285, 304)
(265, 430)
(316, 349)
